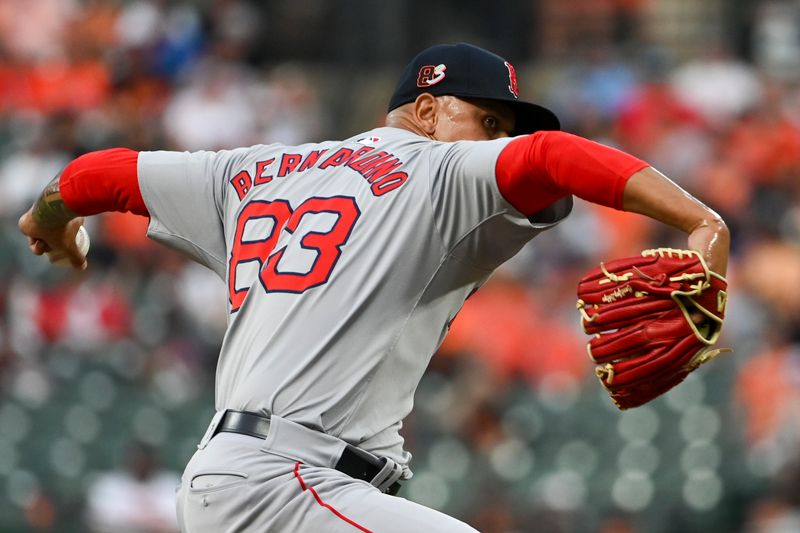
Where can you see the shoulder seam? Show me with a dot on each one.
(216, 259)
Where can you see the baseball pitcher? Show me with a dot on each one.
(345, 261)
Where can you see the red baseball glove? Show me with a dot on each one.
(654, 318)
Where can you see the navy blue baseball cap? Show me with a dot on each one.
(465, 70)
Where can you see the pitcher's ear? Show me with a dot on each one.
(426, 112)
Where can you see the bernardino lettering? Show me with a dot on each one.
(381, 170)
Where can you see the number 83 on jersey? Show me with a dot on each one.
(269, 233)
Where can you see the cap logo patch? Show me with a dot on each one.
(512, 79)
(430, 75)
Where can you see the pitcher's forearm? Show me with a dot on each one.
(712, 239)
(650, 193)
(50, 211)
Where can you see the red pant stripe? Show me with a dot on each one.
(305, 487)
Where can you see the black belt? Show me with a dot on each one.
(354, 462)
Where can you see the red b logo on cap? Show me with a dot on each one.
(512, 79)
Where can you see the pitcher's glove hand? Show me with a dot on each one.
(654, 318)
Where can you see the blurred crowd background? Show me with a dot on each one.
(106, 377)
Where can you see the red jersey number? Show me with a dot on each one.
(326, 244)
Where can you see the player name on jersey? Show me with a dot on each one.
(379, 169)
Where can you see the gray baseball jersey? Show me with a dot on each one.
(345, 263)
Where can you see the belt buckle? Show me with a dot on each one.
(387, 476)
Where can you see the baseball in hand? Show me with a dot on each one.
(59, 258)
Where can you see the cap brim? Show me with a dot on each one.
(532, 117)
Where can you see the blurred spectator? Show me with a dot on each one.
(773, 515)
(84, 315)
(34, 157)
(215, 110)
(652, 121)
(769, 270)
(40, 512)
(768, 391)
(776, 39)
(718, 86)
(289, 110)
(137, 499)
(140, 24)
(34, 30)
(594, 88)
(511, 329)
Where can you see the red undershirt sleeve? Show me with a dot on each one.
(534, 171)
(103, 181)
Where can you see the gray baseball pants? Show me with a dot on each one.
(287, 483)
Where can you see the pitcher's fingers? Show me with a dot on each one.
(38, 246)
(76, 258)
